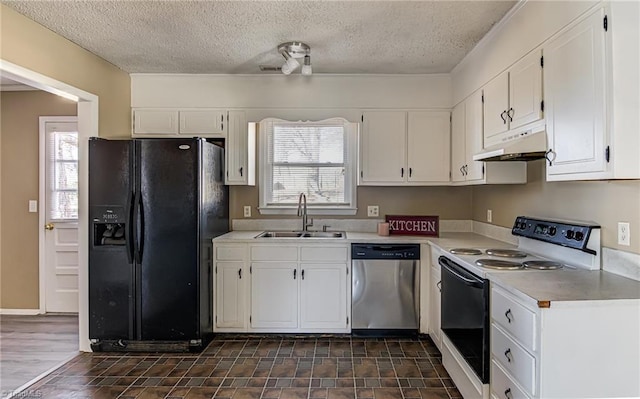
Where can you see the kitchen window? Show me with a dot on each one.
(314, 158)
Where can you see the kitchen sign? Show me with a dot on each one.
(413, 225)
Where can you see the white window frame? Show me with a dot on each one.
(350, 169)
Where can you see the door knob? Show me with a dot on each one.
(49, 226)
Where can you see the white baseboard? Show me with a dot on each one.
(22, 312)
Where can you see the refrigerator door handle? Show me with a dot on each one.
(129, 233)
(137, 228)
(141, 238)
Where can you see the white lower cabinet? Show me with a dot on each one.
(282, 288)
(323, 296)
(274, 295)
(572, 349)
(434, 299)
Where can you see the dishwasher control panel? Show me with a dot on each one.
(385, 251)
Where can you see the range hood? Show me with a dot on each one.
(524, 145)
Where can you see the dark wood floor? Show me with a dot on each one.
(252, 367)
(33, 345)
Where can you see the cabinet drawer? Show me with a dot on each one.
(224, 252)
(274, 253)
(517, 361)
(513, 317)
(324, 253)
(502, 386)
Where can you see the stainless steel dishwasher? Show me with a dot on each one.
(385, 283)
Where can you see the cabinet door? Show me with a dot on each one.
(230, 294)
(428, 138)
(434, 307)
(473, 136)
(575, 98)
(525, 90)
(323, 296)
(210, 122)
(383, 147)
(458, 152)
(496, 103)
(274, 295)
(155, 122)
(240, 150)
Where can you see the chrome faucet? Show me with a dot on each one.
(302, 211)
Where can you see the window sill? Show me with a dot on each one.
(276, 210)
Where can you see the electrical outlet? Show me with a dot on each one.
(489, 215)
(247, 211)
(373, 211)
(624, 233)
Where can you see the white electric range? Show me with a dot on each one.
(543, 245)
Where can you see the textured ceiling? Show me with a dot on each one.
(404, 37)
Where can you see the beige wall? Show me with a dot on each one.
(30, 45)
(19, 131)
(604, 202)
(447, 202)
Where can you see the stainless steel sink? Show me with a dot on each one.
(302, 234)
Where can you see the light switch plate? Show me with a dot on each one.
(33, 206)
(489, 215)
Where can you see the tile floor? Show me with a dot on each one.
(260, 367)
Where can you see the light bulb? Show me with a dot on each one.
(306, 68)
(289, 65)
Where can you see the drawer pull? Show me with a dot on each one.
(507, 354)
(508, 315)
(508, 394)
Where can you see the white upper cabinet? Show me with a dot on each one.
(155, 122)
(575, 71)
(240, 149)
(466, 141)
(176, 123)
(202, 122)
(513, 98)
(383, 148)
(404, 148)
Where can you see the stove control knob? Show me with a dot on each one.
(569, 234)
(552, 231)
(578, 236)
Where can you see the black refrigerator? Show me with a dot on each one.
(154, 206)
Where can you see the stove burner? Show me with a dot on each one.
(542, 265)
(506, 253)
(499, 264)
(466, 251)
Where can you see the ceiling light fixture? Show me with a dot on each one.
(291, 51)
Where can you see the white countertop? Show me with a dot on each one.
(541, 286)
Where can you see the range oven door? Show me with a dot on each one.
(465, 315)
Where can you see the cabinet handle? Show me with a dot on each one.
(462, 170)
(240, 273)
(241, 171)
(548, 154)
(508, 315)
(466, 170)
(504, 119)
(410, 172)
(401, 172)
(507, 354)
(295, 271)
(302, 274)
(439, 285)
(508, 394)
(510, 114)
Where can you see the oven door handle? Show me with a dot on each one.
(467, 281)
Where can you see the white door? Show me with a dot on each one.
(575, 98)
(61, 216)
(323, 296)
(274, 295)
(428, 152)
(383, 147)
(230, 294)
